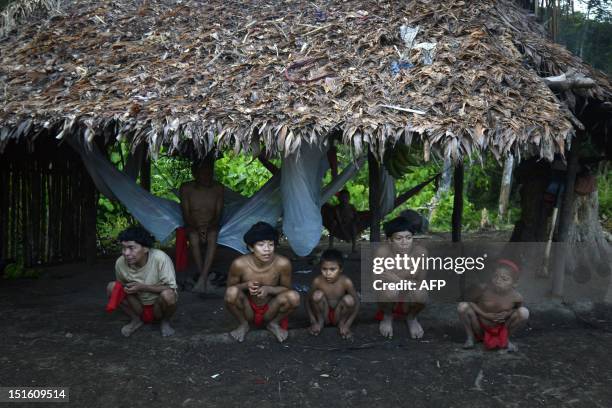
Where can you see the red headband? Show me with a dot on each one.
(509, 263)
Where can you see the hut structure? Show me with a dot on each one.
(457, 78)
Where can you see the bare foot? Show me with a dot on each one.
(131, 327)
(345, 332)
(512, 347)
(386, 326)
(240, 332)
(315, 328)
(280, 334)
(415, 329)
(166, 329)
(200, 286)
(469, 343)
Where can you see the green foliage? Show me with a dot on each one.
(587, 34)
(604, 189)
(18, 271)
(241, 173)
(247, 175)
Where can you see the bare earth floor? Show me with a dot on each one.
(56, 333)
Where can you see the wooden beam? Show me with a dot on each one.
(374, 197)
(506, 185)
(569, 80)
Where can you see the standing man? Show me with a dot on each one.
(145, 288)
(202, 203)
(259, 285)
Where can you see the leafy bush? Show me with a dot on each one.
(18, 271)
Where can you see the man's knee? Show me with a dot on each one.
(109, 288)
(168, 296)
(231, 294)
(522, 314)
(348, 301)
(290, 299)
(317, 296)
(463, 308)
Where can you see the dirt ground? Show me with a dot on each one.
(55, 333)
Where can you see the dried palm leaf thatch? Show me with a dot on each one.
(234, 74)
(20, 11)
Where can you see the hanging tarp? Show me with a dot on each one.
(158, 215)
(302, 176)
(264, 205)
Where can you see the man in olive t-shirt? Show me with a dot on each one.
(146, 283)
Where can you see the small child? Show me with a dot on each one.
(496, 311)
(332, 298)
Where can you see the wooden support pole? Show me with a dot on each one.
(374, 196)
(506, 185)
(565, 218)
(457, 216)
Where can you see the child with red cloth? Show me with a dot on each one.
(496, 311)
(332, 298)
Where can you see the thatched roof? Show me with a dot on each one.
(232, 73)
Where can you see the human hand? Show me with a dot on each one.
(133, 287)
(263, 291)
(499, 317)
(253, 287)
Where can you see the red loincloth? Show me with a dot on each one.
(331, 315)
(181, 251)
(494, 336)
(398, 312)
(118, 295)
(258, 315)
(147, 315)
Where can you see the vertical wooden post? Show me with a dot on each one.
(374, 196)
(565, 218)
(504, 194)
(457, 215)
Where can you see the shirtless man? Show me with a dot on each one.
(399, 232)
(332, 298)
(202, 203)
(258, 285)
(145, 286)
(496, 311)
